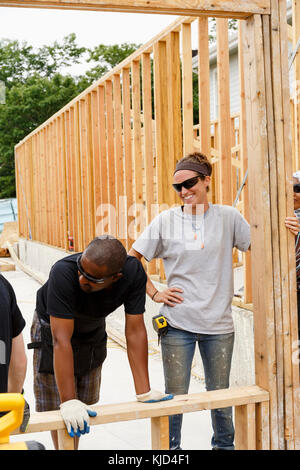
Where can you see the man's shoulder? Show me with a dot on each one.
(65, 265)
(5, 284)
(133, 269)
(67, 260)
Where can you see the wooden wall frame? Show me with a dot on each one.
(265, 124)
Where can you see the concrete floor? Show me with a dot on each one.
(117, 386)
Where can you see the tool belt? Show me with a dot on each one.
(87, 355)
(160, 325)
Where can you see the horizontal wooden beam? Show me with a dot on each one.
(235, 396)
(223, 8)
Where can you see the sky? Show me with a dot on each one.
(41, 26)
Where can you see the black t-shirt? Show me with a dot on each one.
(11, 325)
(62, 297)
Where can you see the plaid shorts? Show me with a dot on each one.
(45, 388)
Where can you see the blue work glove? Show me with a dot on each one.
(153, 396)
(76, 415)
(26, 417)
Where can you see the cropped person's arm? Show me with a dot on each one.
(63, 361)
(137, 351)
(292, 224)
(17, 365)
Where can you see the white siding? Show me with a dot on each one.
(234, 87)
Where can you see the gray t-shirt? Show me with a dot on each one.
(197, 257)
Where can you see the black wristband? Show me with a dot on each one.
(154, 294)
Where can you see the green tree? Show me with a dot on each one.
(107, 57)
(34, 91)
(37, 86)
(27, 106)
(19, 61)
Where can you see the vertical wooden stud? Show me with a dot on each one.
(174, 109)
(137, 147)
(128, 163)
(260, 217)
(262, 426)
(187, 89)
(225, 180)
(160, 433)
(244, 162)
(245, 432)
(65, 442)
(204, 86)
(110, 155)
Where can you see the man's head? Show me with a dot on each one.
(296, 184)
(101, 264)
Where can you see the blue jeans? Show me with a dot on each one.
(178, 348)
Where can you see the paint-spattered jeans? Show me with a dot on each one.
(178, 348)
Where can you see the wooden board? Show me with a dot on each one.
(236, 8)
(7, 265)
(111, 413)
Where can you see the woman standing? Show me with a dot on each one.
(195, 242)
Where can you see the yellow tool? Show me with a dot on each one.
(13, 405)
(160, 325)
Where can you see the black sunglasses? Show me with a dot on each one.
(91, 278)
(187, 184)
(296, 188)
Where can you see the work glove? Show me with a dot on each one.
(153, 396)
(76, 415)
(26, 416)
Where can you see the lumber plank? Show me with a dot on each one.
(119, 158)
(76, 196)
(230, 8)
(18, 177)
(174, 110)
(70, 179)
(244, 161)
(262, 426)
(35, 185)
(137, 146)
(160, 433)
(283, 160)
(294, 36)
(225, 176)
(291, 319)
(110, 154)
(245, 436)
(110, 413)
(161, 106)
(96, 149)
(65, 442)
(204, 86)
(128, 155)
(260, 218)
(187, 89)
(148, 143)
(7, 265)
(44, 182)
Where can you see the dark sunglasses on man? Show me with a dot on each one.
(187, 184)
(90, 278)
(296, 188)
